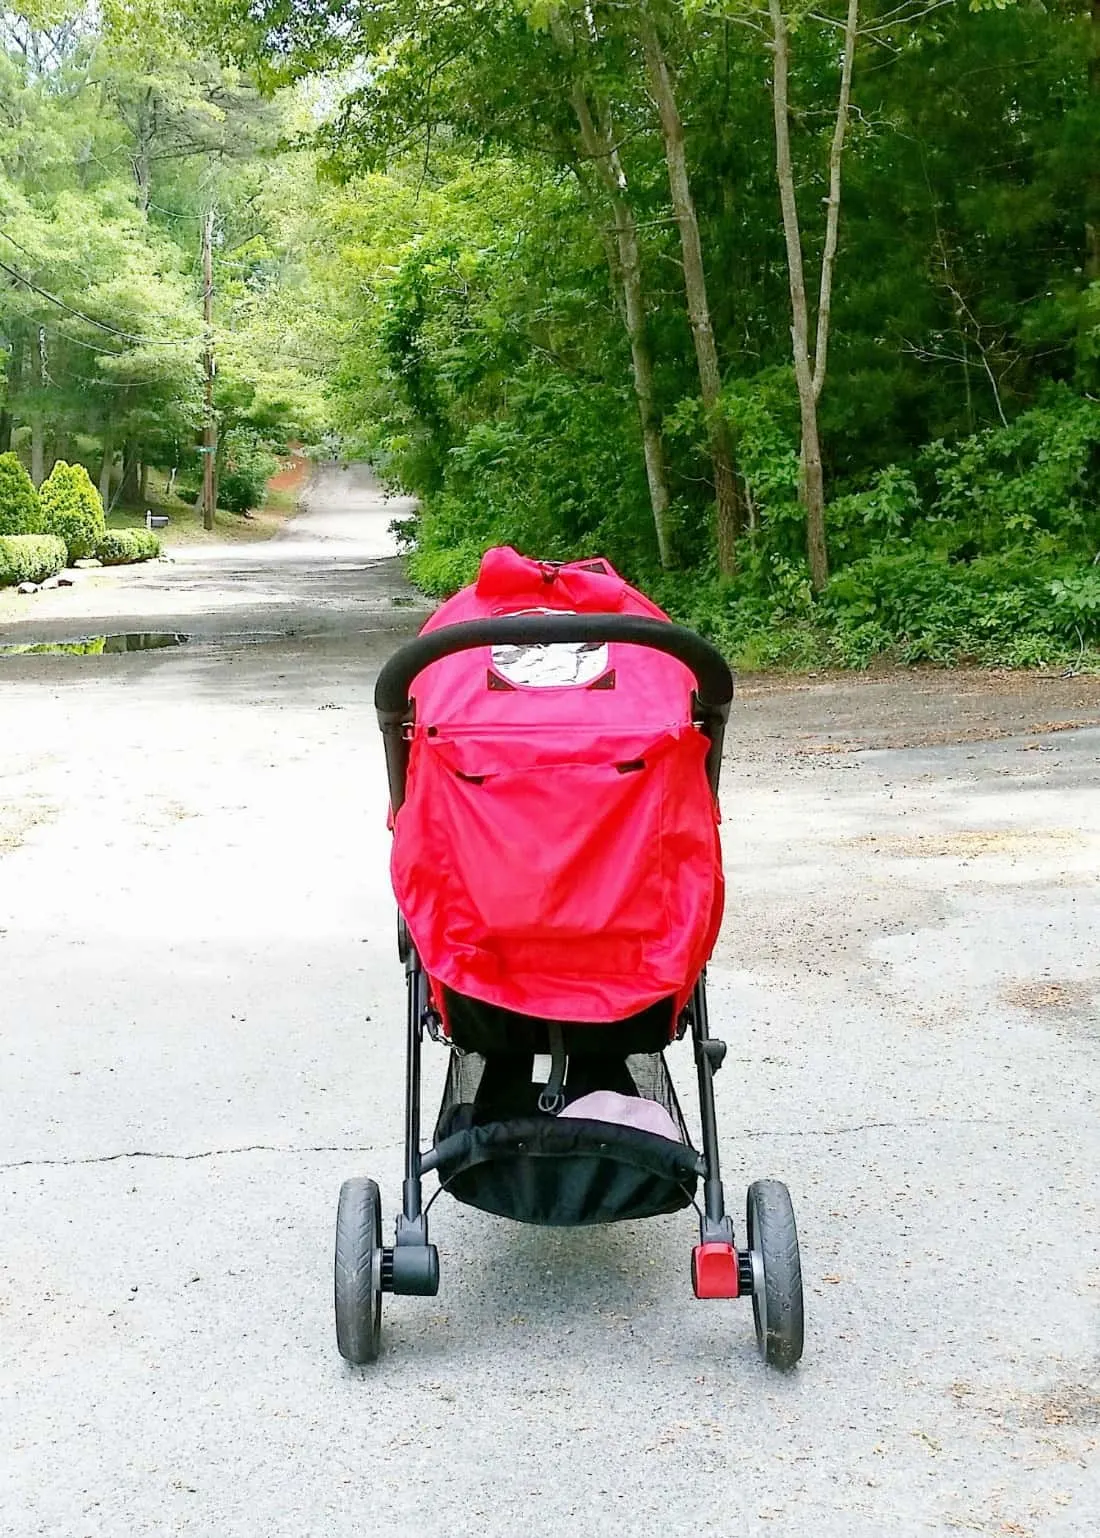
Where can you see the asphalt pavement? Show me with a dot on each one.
(201, 1015)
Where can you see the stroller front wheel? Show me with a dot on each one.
(777, 1273)
(359, 1270)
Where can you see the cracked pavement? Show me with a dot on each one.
(201, 1035)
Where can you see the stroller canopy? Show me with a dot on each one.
(557, 850)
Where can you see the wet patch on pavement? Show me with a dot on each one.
(99, 645)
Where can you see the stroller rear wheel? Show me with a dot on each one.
(359, 1270)
(777, 1273)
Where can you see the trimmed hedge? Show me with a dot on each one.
(20, 512)
(71, 509)
(121, 547)
(30, 558)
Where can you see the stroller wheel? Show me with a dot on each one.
(359, 1270)
(777, 1273)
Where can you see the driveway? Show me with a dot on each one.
(201, 1016)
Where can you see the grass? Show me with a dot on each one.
(185, 521)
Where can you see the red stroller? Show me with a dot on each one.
(553, 746)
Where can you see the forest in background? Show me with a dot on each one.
(119, 142)
(791, 311)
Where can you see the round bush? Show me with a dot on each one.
(71, 509)
(30, 558)
(121, 547)
(20, 512)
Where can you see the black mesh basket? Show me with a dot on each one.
(496, 1150)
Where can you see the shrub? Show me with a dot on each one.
(439, 573)
(242, 484)
(72, 510)
(121, 547)
(20, 512)
(30, 558)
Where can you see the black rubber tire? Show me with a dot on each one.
(777, 1297)
(359, 1270)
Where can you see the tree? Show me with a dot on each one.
(597, 137)
(20, 512)
(810, 374)
(728, 501)
(118, 132)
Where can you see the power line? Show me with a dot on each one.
(108, 384)
(127, 336)
(102, 351)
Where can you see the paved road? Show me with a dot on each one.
(200, 1020)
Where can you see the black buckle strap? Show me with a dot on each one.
(552, 1098)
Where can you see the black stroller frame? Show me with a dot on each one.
(767, 1270)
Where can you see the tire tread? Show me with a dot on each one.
(358, 1238)
(773, 1231)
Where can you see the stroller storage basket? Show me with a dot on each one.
(495, 1150)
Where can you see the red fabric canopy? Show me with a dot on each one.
(557, 852)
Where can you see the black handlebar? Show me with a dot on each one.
(714, 681)
(712, 675)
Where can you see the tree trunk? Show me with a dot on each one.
(14, 381)
(730, 505)
(1092, 191)
(5, 431)
(145, 136)
(38, 451)
(809, 379)
(598, 142)
(599, 145)
(38, 432)
(105, 469)
(129, 492)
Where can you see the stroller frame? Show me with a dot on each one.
(767, 1270)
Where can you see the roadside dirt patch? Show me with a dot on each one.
(1044, 995)
(905, 708)
(970, 844)
(1072, 1403)
(292, 474)
(17, 820)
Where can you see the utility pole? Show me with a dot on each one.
(38, 430)
(209, 426)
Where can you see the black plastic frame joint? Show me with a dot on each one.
(714, 1051)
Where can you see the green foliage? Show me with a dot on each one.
(1077, 597)
(122, 547)
(19, 509)
(119, 135)
(29, 558)
(440, 570)
(460, 282)
(1036, 480)
(993, 610)
(72, 510)
(1007, 610)
(242, 485)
